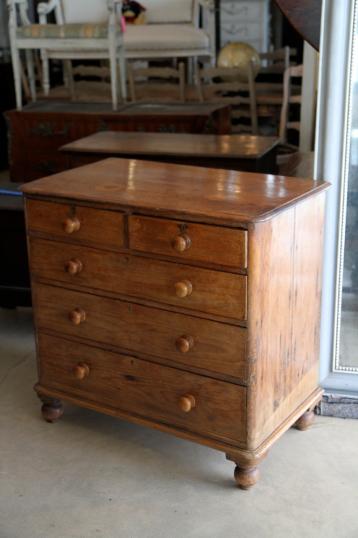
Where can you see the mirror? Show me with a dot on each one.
(346, 353)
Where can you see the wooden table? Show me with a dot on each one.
(230, 152)
(299, 164)
(181, 298)
(39, 129)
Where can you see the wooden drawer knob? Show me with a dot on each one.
(71, 225)
(77, 316)
(73, 267)
(183, 288)
(81, 371)
(184, 343)
(181, 243)
(187, 403)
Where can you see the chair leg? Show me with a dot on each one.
(16, 67)
(45, 73)
(195, 69)
(114, 73)
(68, 77)
(123, 74)
(31, 73)
(191, 70)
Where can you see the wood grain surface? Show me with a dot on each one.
(217, 347)
(219, 146)
(213, 292)
(145, 389)
(205, 243)
(96, 227)
(170, 190)
(283, 356)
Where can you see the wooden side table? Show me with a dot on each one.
(231, 152)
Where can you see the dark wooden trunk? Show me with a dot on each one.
(40, 129)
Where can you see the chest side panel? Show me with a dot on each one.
(285, 258)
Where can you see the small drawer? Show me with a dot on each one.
(77, 223)
(205, 406)
(241, 11)
(199, 343)
(193, 288)
(189, 241)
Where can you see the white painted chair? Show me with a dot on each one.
(96, 37)
(173, 30)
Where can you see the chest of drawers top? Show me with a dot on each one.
(220, 197)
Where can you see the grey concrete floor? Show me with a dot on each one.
(93, 476)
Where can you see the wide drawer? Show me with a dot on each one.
(212, 408)
(189, 241)
(235, 29)
(96, 227)
(204, 290)
(195, 342)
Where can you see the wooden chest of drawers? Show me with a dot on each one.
(190, 305)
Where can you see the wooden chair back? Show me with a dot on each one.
(224, 86)
(269, 83)
(277, 61)
(290, 98)
(163, 84)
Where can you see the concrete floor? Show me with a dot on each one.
(93, 476)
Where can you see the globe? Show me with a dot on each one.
(239, 55)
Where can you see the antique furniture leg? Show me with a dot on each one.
(45, 73)
(31, 73)
(123, 76)
(246, 472)
(52, 409)
(16, 66)
(305, 421)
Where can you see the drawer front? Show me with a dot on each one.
(199, 343)
(188, 241)
(76, 223)
(142, 388)
(233, 31)
(241, 11)
(210, 292)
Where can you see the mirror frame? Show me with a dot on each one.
(331, 164)
(352, 58)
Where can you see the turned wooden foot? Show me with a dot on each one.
(52, 409)
(246, 471)
(304, 422)
(246, 477)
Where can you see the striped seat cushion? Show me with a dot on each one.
(66, 31)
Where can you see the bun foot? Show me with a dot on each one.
(52, 410)
(304, 422)
(246, 478)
